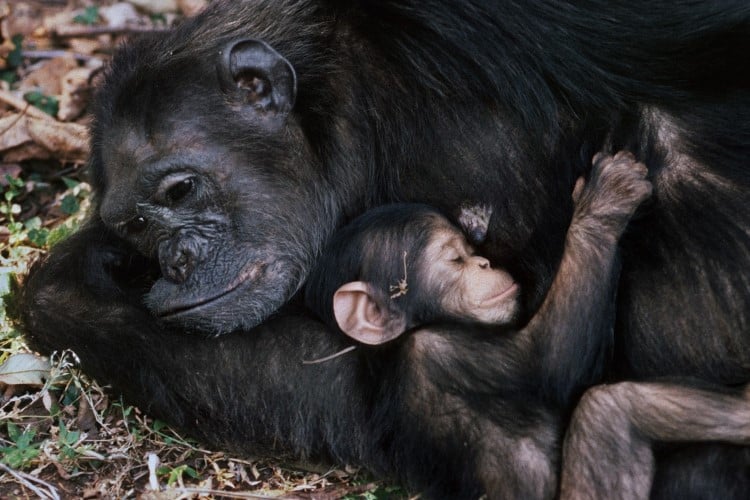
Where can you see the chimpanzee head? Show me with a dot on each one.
(403, 265)
(202, 163)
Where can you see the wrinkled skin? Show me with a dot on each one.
(290, 117)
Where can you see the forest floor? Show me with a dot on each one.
(61, 434)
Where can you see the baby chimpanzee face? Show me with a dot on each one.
(467, 287)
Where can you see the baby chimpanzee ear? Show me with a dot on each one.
(361, 316)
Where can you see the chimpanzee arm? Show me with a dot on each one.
(608, 447)
(572, 330)
(83, 297)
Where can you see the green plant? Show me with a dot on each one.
(23, 450)
(9, 208)
(67, 441)
(13, 61)
(89, 16)
(175, 474)
(48, 104)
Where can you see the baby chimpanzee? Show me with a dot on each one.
(405, 265)
(498, 404)
(425, 273)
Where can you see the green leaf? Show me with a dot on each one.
(39, 237)
(58, 234)
(89, 16)
(71, 395)
(17, 458)
(70, 183)
(191, 472)
(13, 431)
(8, 76)
(48, 104)
(15, 56)
(70, 205)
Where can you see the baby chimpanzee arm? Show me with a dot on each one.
(572, 330)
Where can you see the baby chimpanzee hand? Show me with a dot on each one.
(615, 189)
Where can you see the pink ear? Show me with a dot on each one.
(359, 315)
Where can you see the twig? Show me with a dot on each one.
(23, 106)
(330, 357)
(219, 493)
(94, 31)
(402, 287)
(27, 479)
(51, 54)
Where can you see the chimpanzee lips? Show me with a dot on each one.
(504, 295)
(182, 305)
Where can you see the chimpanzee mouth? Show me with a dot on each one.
(179, 308)
(500, 297)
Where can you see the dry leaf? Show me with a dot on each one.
(120, 15)
(13, 132)
(75, 93)
(24, 369)
(27, 151)
(191, 7)
(25, 18)
(47, 77)
(68, 140)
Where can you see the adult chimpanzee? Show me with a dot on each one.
(229, 149)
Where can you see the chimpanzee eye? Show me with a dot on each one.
(179, 190)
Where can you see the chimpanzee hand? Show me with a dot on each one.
(109, 267)
(615, 189)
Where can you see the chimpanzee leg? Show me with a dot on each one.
(608, 449)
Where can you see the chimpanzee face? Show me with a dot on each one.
(465, 283)
(213, 177)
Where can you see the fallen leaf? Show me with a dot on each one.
(47, 77)
(120, 15)
(13, 132)
(24, 369)
(191, 7)
(75, 93)
(68, 140)
(27, 151)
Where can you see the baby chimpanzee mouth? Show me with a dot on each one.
(504, 295)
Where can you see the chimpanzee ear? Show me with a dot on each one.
(255, 76)
(360, 315)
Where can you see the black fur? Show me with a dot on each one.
(499, 104)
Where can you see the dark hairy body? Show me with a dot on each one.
(220, 173)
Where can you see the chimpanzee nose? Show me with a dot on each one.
(481, 261)
(177, 261)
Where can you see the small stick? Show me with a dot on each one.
(332, 356)
(27, 479)
(51, 54)
(94, 31)
(402, 286)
